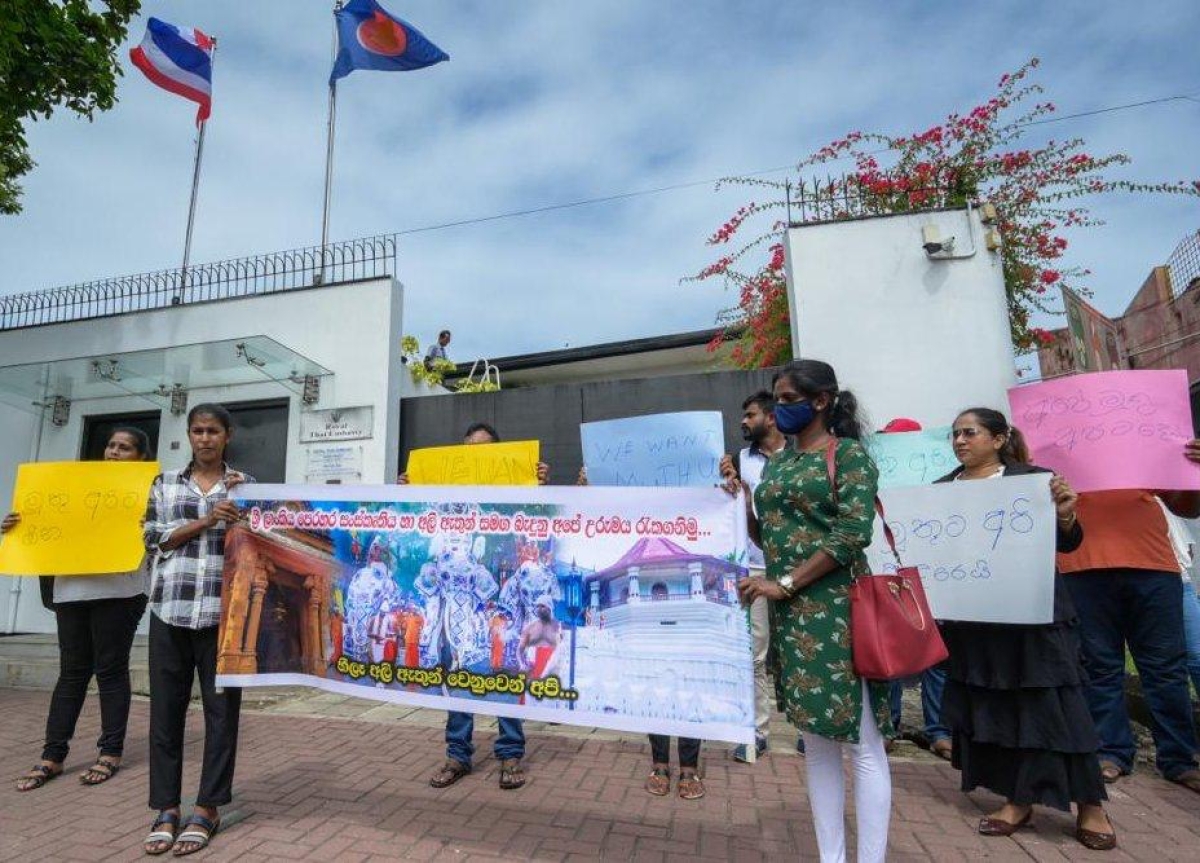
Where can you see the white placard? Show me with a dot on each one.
(334, 465)
(337, 424)
(985, 548)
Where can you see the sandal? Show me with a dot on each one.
(37, 776)
(1189, 779)
(943, 749)
(1110, 772)
(100, 772)
(658, 782)
(690, 786)
(162, 839)
(512, 775)
(195, 837)
(450, 772)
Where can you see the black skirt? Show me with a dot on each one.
(1015, 705)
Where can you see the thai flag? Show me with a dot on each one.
(178, 59)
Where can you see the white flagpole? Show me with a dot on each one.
(187, 242)
(329, 150)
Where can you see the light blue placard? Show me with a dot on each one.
(677, 449)
(912, 458)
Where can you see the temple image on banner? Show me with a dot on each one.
(642, 618)
(278, 589)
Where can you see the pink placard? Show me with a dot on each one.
(1110, 430)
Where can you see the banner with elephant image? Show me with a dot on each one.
(607, 607)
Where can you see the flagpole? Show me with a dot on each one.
(329, 150)
(191, 220)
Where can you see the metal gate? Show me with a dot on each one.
(552, 414)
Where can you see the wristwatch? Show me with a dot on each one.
(788, 585)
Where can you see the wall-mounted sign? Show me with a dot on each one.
(334, 465)
(337, 424)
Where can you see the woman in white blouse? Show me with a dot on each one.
(97, 617)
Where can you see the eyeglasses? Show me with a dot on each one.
(968, 432)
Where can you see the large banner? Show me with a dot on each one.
(78, 518)
(579, 605)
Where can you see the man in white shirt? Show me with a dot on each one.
(1183, 534)
(758, 428)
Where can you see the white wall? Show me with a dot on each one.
(909, 335)
(352, 329)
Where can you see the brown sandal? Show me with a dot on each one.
(658, 782)
(690, 786)
(37, 776)
(449, 773)
(100, 772)
(943, 749)
(512, 775)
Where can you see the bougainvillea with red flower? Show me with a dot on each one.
(973, 157)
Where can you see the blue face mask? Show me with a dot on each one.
(794, 418)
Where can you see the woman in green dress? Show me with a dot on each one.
(813, 536)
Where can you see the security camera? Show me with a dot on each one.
(933, 243)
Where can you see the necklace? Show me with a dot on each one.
(999, 471)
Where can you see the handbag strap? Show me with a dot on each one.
(831, 469)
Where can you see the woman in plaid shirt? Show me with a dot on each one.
(184, 531)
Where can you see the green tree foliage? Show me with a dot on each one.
(53, 54)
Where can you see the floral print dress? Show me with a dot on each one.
(798, 517)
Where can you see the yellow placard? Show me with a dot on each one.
(77, 518)
(509, 463)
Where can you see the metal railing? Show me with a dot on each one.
(845, 197)
(350, 260)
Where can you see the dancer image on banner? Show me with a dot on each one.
(413, 623)
(533, 584)
(337, 627)
(499, 629)
(385, 633)
(456, 589)
(370, 590)
(539, 643)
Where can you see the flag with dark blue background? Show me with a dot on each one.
(370, 38)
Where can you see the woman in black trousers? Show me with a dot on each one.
(96, 618)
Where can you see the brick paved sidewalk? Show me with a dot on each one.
(346, 790)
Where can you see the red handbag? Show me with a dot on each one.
(892, 632)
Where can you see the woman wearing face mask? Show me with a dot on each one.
(1014, 697)
(96, 617)
(813, 535)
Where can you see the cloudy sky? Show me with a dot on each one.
(550, 102)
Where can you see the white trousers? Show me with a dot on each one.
(872, 791)
(764, 693)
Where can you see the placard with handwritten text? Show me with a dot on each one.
(984, 548)
(77, 518)
(912, 458)
(674, 449)
(1110, 430)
